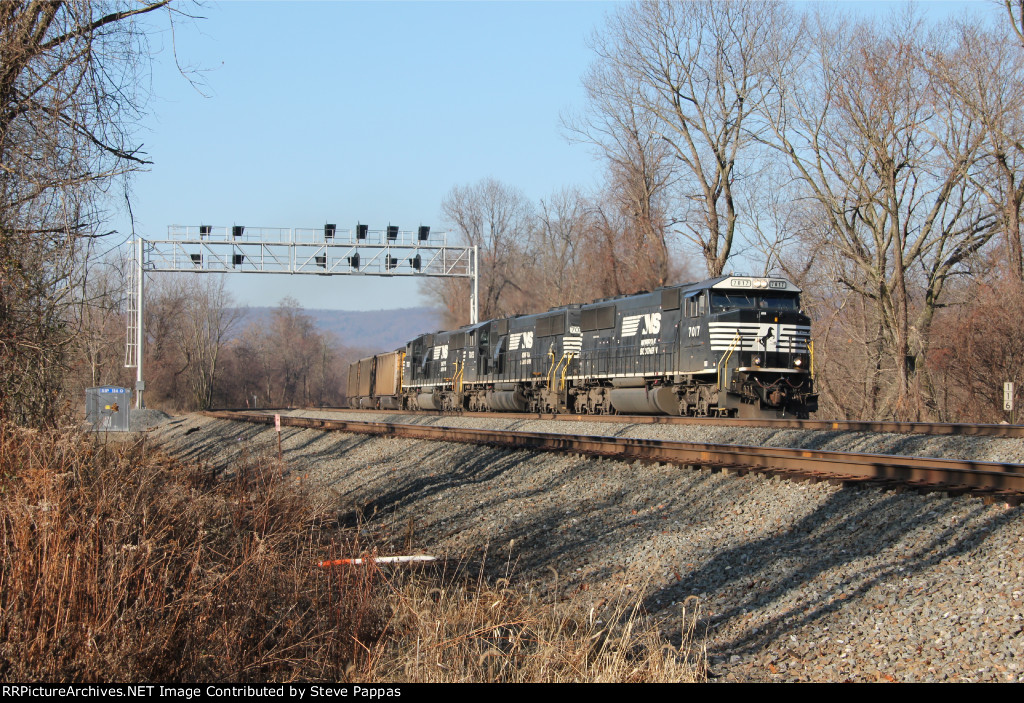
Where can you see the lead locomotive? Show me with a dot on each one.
(730, 346)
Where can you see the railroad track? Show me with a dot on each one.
(996, 482)
(927, 428)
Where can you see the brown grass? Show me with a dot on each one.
(119, 563)
(468, 631)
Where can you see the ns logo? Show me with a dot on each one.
(631, 324)
(520, 340)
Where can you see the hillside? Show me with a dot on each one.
(366, 330)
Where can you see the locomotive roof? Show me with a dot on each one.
(734, 282)
(729, 282)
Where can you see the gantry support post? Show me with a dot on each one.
(140, 332)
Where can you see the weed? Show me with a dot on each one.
(120, 563)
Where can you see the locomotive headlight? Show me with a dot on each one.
(756, 360)
(798, 362)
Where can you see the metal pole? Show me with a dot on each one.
(474, 304)
(140, 335)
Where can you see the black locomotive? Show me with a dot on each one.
(730, 346)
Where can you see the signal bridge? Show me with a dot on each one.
(384, 252)
(327, 251)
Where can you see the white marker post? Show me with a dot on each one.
(1008, 399)
(277, 426)
(376, 560)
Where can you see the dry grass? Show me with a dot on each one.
(120, 563)
(468, 631)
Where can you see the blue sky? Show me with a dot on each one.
(372, 111)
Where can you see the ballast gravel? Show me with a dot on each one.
(794, 581)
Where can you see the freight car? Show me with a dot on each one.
(726, 347)
(375, 382)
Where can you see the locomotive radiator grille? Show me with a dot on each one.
(759, 337)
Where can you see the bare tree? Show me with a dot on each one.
(207, 316)
(1015, 17)
(984, 75)
(885, 153)
(164, 363)
(497, 219)
(327, 372)
(556, 272)
(693, 76)
(98, 319)
(640, 171)
(978, 346)
(69, 77)
(189, 321)
(781, 225)
(253, 353)
(295, 346)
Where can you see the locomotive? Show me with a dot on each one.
(731, 346)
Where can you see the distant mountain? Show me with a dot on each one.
(365, 330)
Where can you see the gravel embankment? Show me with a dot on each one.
(948, 447)
(144, 419)
(796, 581)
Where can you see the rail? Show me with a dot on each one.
(925, 428)
(1004, 481)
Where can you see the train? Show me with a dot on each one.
(730, 346)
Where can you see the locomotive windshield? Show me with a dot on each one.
(721, 302)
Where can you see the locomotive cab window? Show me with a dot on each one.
(695, 305)
(721, 302)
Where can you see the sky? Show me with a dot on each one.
(315, 112)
